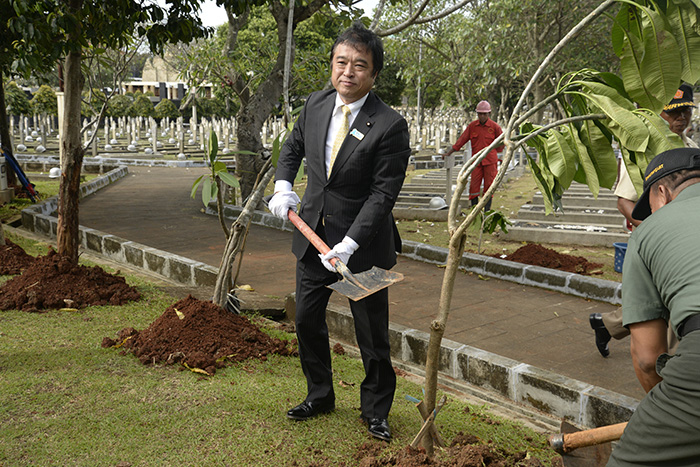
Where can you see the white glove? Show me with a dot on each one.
(282, 202)
(342, 251)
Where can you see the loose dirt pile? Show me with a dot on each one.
(465, 451)
(200, 335)
(52, 282)
(13, 259)
(537, 255)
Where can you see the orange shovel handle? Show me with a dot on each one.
(309, 234)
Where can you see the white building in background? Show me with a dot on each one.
(160, 78)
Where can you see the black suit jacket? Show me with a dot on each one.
(364, 184)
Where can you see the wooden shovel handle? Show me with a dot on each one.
(309, 233)
(567, 442)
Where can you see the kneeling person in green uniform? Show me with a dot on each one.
(660, 285)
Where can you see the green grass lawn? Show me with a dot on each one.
(68, 401)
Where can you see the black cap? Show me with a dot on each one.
(664, 164)
(682, 98)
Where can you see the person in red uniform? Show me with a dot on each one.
(481, 132)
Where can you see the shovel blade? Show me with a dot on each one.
(366, 283)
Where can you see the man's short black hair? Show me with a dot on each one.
(360, 37)
(673, 180)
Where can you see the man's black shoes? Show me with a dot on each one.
(379, 428)
(307, 410)
(602, 336)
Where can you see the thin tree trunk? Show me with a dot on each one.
(235, 241)
(68, 234)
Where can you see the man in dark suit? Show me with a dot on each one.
(356, 150)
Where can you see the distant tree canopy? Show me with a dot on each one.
(120, 106)
(488, 50)
(16, 100)
(143, 107)
(166, 109)
(44, 101)
(389, 85)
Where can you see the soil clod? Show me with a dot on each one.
(537, 255)
(202, 335)
(49, 280)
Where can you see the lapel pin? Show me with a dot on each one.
(355, 132)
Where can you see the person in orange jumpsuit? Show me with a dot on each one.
(481, 133)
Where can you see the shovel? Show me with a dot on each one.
(353, 286)
(592, 446)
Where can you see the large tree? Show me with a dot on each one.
(71, 30)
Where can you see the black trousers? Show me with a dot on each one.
(371, 317)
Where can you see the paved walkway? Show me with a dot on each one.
(543, 328)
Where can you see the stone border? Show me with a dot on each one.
(548, 392)
(101, 164)
(551, 279)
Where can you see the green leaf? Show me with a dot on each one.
(600, 152)
(636, 174)
(228, 179)
(650, 62)
(561, 158)
(626, 127)
(681, 18)
(212, 147)
(209, 191)
(196, 185)
(661, 138)
(586, 164)
(219, 166)
(544, 182)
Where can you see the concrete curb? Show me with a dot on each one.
(548, 392)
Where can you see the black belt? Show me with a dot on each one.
(690, 324)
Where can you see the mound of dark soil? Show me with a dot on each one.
(52, 282)
(13, 259)
(465, 451)
(537, 255)
(201, 335)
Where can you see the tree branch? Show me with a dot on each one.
(414, 18)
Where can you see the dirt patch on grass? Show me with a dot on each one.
(465, 451)
(13, 259)
(537, 255)
(52, 282)
(201, 335)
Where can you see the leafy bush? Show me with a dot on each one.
(16, 100)
(120, 106)
(143, 107)
(44, 101)
(166, 109)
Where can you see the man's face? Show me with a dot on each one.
(352, 72)
(483, 116)
(678, 119)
